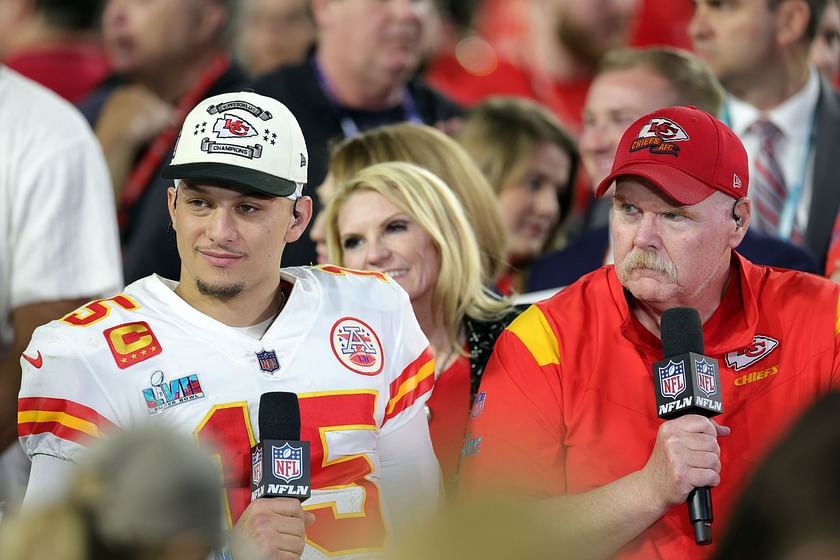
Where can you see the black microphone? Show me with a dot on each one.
(279, 462)
(687, 382)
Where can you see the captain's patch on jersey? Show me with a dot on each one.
(132, 343)
(165, 394)
(356, 346)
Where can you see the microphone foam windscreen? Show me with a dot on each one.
(681, 331)
(279, 416)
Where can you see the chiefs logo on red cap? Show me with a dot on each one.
(659, 136)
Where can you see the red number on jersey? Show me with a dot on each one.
(346, 506)
(97, 310)
(342, 526)
(228, 428)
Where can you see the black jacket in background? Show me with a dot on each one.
(297, 87)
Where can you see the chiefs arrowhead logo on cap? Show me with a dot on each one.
(233, 126)
(659, 136)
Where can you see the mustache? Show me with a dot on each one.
(648, 260)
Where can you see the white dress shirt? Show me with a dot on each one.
(795, 117)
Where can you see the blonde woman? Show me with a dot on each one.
(404, 221)
(531, 162)
(440, 154)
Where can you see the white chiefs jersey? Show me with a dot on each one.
(346, 342)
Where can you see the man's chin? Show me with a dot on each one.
(649, 289)
(220, 290)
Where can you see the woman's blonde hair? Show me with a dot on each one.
(433, 150)
(459, 290)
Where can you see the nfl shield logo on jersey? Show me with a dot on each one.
(287, 461)
(705, 376)
(672, 379)
(478, 404)
(268, 361)
(256, 466)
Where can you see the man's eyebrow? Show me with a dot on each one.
(241, 193)
(196, 188)
(672, 205)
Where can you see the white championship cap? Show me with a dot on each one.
(242, 139)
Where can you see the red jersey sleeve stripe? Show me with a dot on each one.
(64, 418)
(58, 429)
(417, 378)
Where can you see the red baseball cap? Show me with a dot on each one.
(687, 153)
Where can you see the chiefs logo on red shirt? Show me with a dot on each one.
(659, 136)
(232, 126)
(759, 349)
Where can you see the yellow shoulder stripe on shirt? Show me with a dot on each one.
(532, 328)
(837, 318)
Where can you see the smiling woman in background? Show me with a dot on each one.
(432, 150)
(531, 162)
(404, 221)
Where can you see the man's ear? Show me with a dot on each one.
(741, 213)
(301, 215)
(211, 19)
(792, 17)
(171, 202)
(320, 11)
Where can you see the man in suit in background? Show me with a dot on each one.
(786, 115)
(629, 83)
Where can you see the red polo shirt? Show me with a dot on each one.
(569, 401)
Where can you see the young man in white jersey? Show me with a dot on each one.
(198, 353)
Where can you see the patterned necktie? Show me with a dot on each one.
(768, 189)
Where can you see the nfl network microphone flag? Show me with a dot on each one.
(280, 463)
(687, 384)
(686, 381)
(280, 468)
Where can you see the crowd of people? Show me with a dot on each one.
(452, 230)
